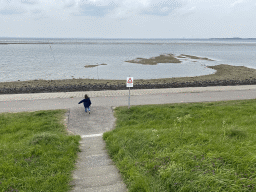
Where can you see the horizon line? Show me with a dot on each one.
(125, 38)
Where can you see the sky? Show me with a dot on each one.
(128, 18)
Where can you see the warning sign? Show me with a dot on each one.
(129, 82)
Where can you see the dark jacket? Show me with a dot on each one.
(87, 102)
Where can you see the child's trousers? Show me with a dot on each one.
(87, 109)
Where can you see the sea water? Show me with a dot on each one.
(50, 59)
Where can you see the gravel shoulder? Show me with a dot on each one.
(225, 75)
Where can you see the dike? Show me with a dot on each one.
(101, 87)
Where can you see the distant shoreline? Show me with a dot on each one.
(234, 38)
(25, 43)
(52, 38)
(49, 41)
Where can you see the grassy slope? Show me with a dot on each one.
(186, 147)
(36, 154)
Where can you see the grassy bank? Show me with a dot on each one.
(36, 154)
(186, 147)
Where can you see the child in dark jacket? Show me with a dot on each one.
(87, 103)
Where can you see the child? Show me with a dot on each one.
(87, 103)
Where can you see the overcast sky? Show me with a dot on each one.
(128, 18)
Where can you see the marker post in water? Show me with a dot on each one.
(129, 83)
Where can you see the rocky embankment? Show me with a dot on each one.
(100, 87)
(225, 75)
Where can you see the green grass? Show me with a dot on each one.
(36, 154)
(186, 147)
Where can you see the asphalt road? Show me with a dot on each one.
(26, 102)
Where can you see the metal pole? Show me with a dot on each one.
(129, 99)
(97, 70)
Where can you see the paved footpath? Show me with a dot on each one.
(95, 171)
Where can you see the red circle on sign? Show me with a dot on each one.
(130, 80)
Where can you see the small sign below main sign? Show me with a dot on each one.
(129, 82)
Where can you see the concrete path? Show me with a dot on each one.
(95, 170)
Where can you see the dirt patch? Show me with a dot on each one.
(194, 57)
(225, 75)
(168, 58)
(91, 66)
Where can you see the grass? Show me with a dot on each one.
(36, 154)
(186, 147)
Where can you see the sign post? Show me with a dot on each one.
(129, 83)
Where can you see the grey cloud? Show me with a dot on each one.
(97, 8)
(69, 5)
(123, 8)
(36, 11)
(30, 2)
(9, 12)
(162, 8)
(93, 10)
